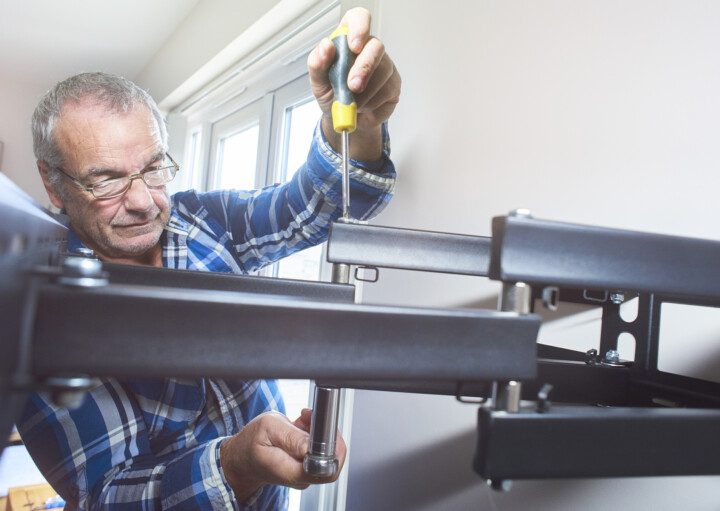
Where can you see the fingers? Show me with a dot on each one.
(303, 422)
(289, 437)
(365, 64)
(358, 21)
(318, 63)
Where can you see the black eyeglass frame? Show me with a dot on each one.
(130, 178)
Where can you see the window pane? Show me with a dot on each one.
(301, 119)
(238, 160)
(303, 265)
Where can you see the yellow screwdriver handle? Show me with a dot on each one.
(344, 108)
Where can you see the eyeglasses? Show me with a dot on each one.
(153, 177)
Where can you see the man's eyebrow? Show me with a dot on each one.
(101, 172)
(158, 156)
(104, 172)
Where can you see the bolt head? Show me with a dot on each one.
(612, 357)
(521, 212)
(617, 298)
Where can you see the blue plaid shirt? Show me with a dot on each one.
(154, 443)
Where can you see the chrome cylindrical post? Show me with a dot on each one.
(515, 297)
(320, 459)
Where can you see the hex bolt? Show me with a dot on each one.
(82, 272)
(501, 485)
(612, 357)
(521, 212)
(617, 298)
(69, 391)
(85, 252)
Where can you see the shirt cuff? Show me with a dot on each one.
(252, 500)
(377, 174)
(196, 481)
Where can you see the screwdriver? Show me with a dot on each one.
(344, 108)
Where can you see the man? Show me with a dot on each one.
(101, 147)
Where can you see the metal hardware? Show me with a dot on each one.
(543, 403)
(515, 297)
(341, 273)
(586, 294)
(460, 398)
(512, 392)
(551, 297)
(69, 391)
(320, 460)
(612, 357)
(617, 298)
(364, 279)
(82, 272)
(591, 357)
(521, 212)
(501, 485)
(84, 252)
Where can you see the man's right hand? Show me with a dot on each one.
(270, 450)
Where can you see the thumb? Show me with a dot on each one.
(290, 439)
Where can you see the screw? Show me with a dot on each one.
(612, 357)
(69, 391)
(617, 298)
(83, 272)
(501, 485)
(521, 212)
(85, 252)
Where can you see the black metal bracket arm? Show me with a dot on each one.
(568, 442)
(576, 256)
(195, 332)
(408, 249)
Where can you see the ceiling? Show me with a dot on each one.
(43, 41)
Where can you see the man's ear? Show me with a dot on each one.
(44, 170)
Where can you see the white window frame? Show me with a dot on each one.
(257, 112)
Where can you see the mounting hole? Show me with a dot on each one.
(629, 310)
(626, 346)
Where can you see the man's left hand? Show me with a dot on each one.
(373, 79)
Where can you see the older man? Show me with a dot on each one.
(101, 147)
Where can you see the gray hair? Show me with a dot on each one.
(116, 93)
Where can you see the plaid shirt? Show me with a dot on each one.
(154, 443)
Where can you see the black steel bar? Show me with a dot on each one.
(390, 247)
(587, 257)
(28, 237)
(573, 382)
(164, 277)
(570, 442)
(133, 330)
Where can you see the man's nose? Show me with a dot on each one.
(138, 197)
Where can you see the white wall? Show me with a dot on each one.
(208, 29)
(598, 112)
(17, 102)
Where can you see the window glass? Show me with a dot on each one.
(301, 120)
(238, 159)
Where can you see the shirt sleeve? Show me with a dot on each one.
(266, 225)
(98, 456)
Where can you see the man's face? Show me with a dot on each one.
(98, 145)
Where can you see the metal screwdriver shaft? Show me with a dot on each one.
(345, 175)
